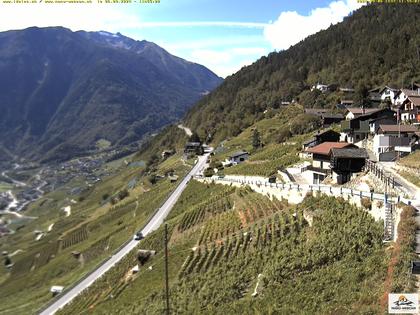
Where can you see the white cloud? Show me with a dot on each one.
(291, 27)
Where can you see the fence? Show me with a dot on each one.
(386, 198)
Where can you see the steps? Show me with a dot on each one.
(389, 222)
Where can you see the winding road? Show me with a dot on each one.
(152, 225)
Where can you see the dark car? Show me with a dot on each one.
(139, 236)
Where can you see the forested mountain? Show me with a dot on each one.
(376, 45)
(62, 91)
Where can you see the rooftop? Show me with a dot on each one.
(349, 153)
(239, 153)
(362, 111)
(398, 128)
(415, 99)
(325, 147)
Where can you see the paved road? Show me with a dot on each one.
(154, 223)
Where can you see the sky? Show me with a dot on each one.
(223, 35)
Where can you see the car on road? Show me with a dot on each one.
(138, 236)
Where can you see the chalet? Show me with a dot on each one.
(409, 110)
(388, 94)
(375, 123)
(321, 159)
(193, 147)
(325, 136)
(416, 87)
(403, 94)
(238, 157)
(359, 128)
(328, 118)
(354, 112)
(391, 141)
(345, 162)
(374, 95)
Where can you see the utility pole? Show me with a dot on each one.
(166, 270)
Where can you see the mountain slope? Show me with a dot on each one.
(62, 91)
(376, 45)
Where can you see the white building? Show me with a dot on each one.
(393, 140)
(238, 157)
(388, 94)
(403, 94)
(320, 87)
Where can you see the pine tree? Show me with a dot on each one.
(256, 139)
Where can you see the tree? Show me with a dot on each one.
(362, 95)
(256, 139)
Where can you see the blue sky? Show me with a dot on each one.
(222, 35)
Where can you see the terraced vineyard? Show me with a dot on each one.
(199, 213)
(263, 168)
(239, 253)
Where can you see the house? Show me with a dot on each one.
(346, 90)
(345, 162)
(416, 87)
(388, 94)
(325, 136)
(374, 95)
(409, 110)
(166, 153)
(375, 123)
(194, 148)
(359, 128)
(339, 160)
(328, 118)
(238, 157)
(321, 87)
(354, 112)
(403, 94)
(392, 141)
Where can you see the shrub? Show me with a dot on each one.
(123, 194)
(366, 203)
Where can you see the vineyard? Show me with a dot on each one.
(236, 239)
(97, 249)
(198, 214)
(273, 152)
(77, 236)
(263, 168)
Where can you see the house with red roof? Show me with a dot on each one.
(338, 160)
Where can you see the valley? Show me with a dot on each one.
(133, 181)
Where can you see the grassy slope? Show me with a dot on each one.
(344, 265)
(93, 228)
(411, 161)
